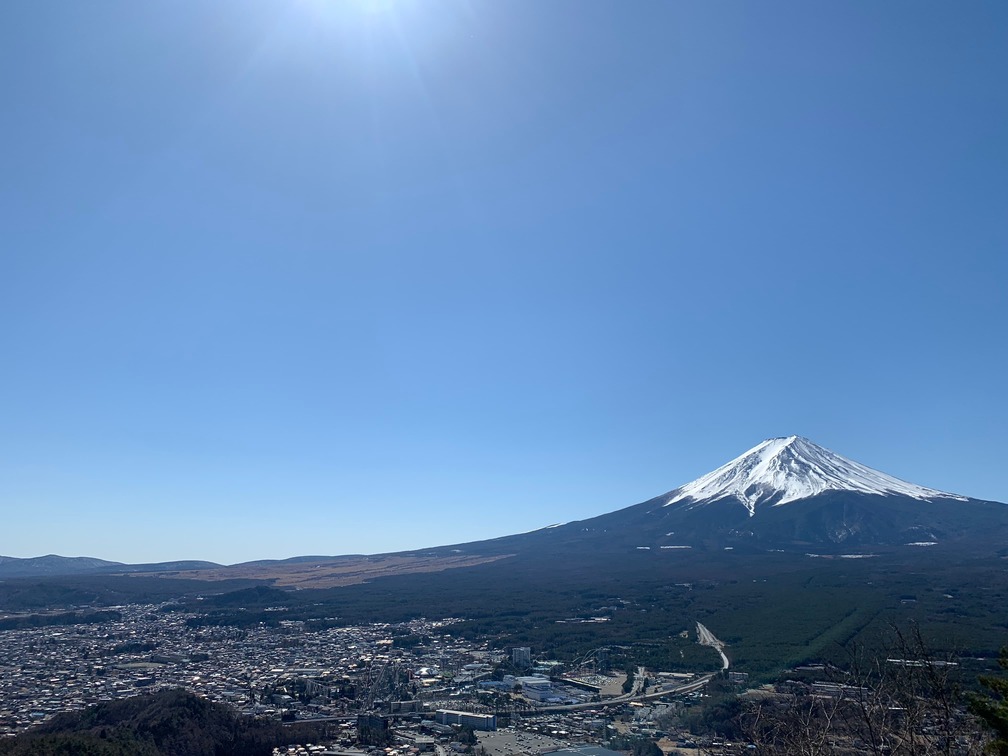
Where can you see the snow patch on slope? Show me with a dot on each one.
(793, 468)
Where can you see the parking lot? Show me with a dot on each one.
(507, 742)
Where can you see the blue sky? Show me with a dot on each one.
(329, 277)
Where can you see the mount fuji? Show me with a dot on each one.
(784, 470)
(785, 494)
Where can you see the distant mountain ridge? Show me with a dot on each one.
(53, 564)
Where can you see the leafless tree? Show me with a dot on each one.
(793, 723)
(902, 700)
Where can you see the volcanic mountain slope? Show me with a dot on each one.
(784, 494)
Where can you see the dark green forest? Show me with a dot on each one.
(772, 610)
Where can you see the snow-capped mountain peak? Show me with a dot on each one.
(782, 470)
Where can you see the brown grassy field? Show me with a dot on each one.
(331, 572)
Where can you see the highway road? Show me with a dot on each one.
(705, 638)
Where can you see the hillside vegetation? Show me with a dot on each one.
(169, 723)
